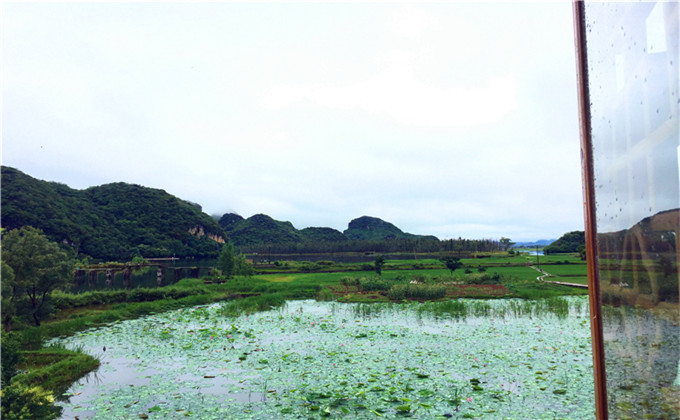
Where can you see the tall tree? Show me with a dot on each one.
(9, 296)
(243, 267)
(39, 267)
(452, 263)
(225, 261)
(506, 243)
(378, 264)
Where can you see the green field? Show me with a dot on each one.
(568, 273)
(290, 281)
(571, 279)
(429, 262)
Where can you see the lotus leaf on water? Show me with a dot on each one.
(326, 359)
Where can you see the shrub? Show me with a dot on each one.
(174, 293)
(426, 291)
(243, 267)
(144, 295)
(351, 281)
(326, 263)
(62, 300)
(325, 294)
(372, 284)
(307, 267)
(253, 304)
(494, 278)
(11, 356)
(22, 402)
(416, 291)
(397, 292)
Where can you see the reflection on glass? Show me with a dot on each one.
(633, 79)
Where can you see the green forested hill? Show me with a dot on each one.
(119, 221)
(322, 234)
(261, 228)
(569, 242)
(229, 220)
(372, 228)
(113, 222)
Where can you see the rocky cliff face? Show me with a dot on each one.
(199, 232)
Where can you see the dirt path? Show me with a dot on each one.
(544, 275)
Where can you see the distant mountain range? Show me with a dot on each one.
(118, 221)
(261, 228)
(540, 242)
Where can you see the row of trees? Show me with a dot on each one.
(418, 245)
(452, 263)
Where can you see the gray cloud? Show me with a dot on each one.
(446, 119)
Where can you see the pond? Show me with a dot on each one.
(327, 359)
(530, 251)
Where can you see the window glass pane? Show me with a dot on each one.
(633, 73)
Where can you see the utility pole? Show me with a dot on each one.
(538, 261)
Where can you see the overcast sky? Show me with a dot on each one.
(449, 119)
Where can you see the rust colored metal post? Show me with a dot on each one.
(601, 410)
